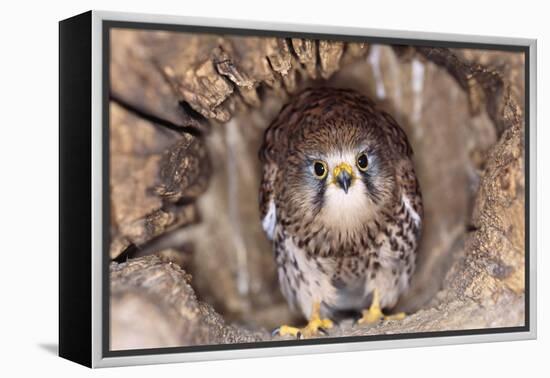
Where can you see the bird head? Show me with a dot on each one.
(336, 157)
(342, 185)
(338, 167)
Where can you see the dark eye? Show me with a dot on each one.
(362, 162)
(320, 169)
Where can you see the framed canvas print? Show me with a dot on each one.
(233, 189)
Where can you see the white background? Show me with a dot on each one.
(29, 189)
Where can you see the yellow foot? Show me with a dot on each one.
(374, 314)
(314, 327)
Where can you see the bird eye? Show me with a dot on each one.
(362, 162)
(320, 169)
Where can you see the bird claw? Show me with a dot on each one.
(277, 332)
(313, 328)
(285, 330)
(374, 314)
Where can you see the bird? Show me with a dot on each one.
(341, 204)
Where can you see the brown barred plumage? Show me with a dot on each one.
(334, 245)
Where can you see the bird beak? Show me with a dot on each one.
(343, 175)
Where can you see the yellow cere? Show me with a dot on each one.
(342, 167)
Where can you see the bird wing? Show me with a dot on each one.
(396, 135)
(268, 210)
(405, 174)
(275, 143)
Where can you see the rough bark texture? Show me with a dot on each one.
(136, 81)
(153, 305)
(462, 111)
(150, 194)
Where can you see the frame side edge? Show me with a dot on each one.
(533, 187)
(74, 189)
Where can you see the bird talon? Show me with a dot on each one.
(374, 314)
(315, 326)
